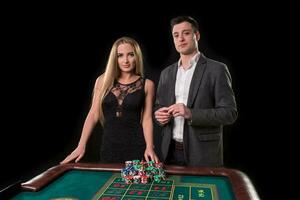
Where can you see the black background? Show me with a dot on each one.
(53, 54)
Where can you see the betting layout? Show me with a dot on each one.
(147, 181)
(166, 189)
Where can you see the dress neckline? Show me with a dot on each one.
(129, 83)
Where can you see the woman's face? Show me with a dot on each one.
(126, 57)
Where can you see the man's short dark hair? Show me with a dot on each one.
(180, 19)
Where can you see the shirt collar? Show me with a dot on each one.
(193, 60)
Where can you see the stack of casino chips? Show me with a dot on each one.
(137, 171)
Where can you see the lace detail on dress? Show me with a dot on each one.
(122, 90)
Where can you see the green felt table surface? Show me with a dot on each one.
(93, 181)
(83, 184)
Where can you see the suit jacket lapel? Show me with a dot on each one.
(196, 80)
(172, 83)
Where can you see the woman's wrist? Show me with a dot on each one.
(150, 146)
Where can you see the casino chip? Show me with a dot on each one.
(137, 171)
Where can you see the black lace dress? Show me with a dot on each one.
(123, 137)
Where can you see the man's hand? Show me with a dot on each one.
(180, 109)
(162, 115)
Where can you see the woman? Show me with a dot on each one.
(122, 102)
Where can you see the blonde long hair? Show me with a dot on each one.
(112, 70)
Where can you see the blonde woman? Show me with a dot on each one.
(122, 103)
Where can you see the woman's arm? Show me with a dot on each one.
(89, 124)
(147, 121)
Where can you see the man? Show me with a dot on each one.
(194, 100)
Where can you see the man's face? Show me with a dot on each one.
(185, 39)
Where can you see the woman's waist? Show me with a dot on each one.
(122, 125)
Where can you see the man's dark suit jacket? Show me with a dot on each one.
(212, 103)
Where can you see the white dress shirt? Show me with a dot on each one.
(182, 88)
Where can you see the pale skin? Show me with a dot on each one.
(186, 43)
(126, 64)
